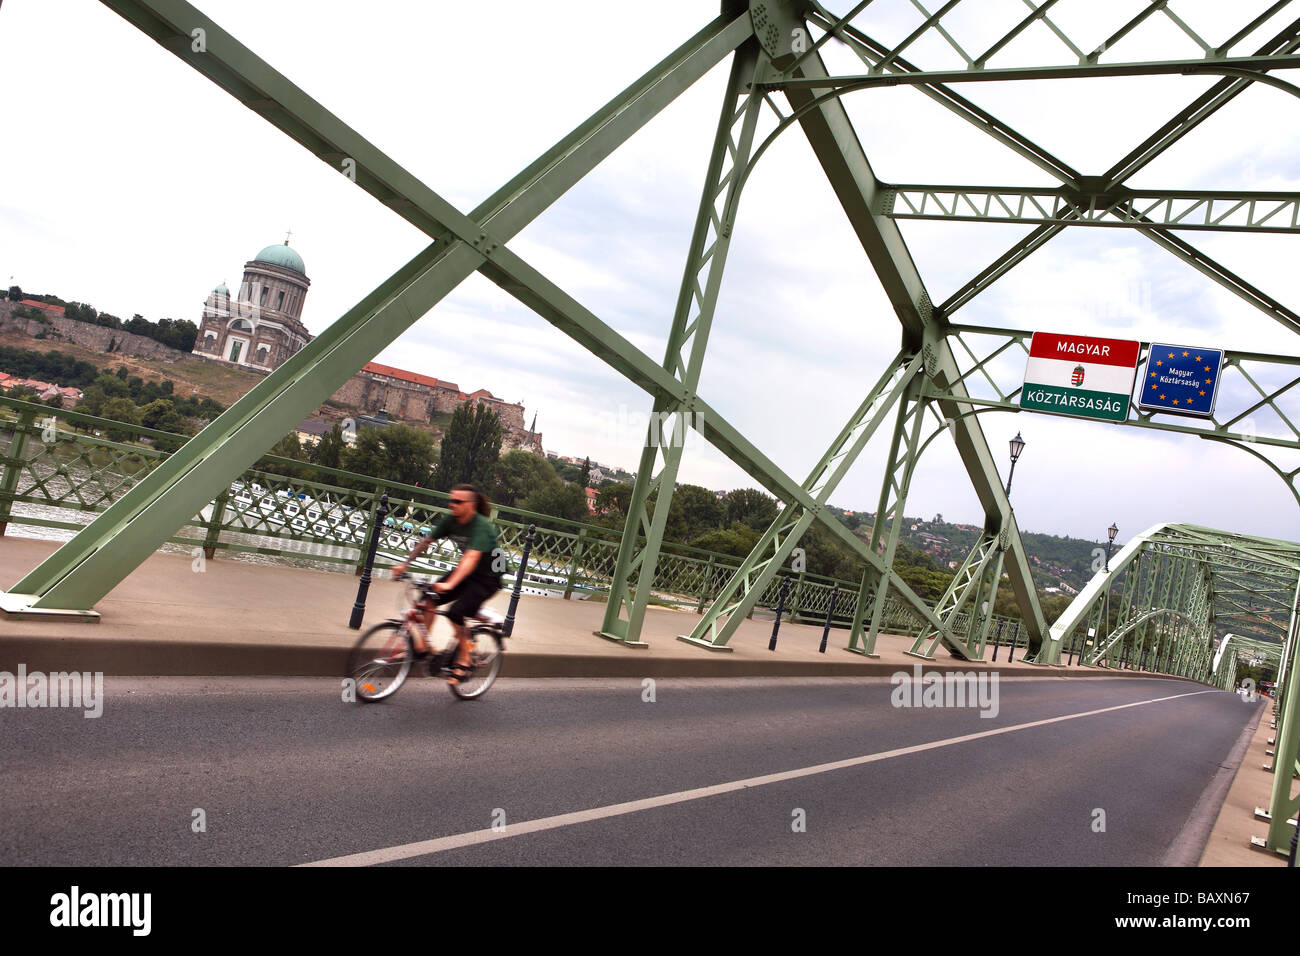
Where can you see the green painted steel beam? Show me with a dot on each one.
(1286, 317)
(738, 597)
(265, 91)
(86, 568)
(1236, 547)
(1021, 74)
(1283, 43)
(904, 450)
(1231, 416)
(1189, 599)
(1196, 210)
(840, 154)
(569, 161)
(692, 320)
(871, 53)
(1286, 42)
(1147, 423)
(962, 589)
(1038, 13)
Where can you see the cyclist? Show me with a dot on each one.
(472, 581)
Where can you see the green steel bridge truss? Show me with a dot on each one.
(1159, 604)
(56, 473)
(777, 73)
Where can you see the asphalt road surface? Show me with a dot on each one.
(271, 771)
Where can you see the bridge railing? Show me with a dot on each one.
(62, 467)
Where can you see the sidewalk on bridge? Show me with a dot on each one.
(1252, 786)
(239, 618)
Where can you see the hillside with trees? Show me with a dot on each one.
(179, 334)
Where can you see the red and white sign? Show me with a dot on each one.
(1080, 375)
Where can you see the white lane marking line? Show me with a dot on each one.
(425, 847)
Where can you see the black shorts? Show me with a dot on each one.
(466, 598)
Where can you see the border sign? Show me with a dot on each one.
(1181, 380)
(1080, 376)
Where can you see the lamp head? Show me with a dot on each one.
(1017, 446)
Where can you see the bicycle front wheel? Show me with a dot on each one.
(486, 656)
(381, 661)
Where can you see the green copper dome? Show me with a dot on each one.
(284, 257)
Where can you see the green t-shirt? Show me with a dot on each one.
(478, 534)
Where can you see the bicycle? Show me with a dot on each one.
(383, 657)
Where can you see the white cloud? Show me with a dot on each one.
(138, 185)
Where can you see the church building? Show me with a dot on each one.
(261, 326)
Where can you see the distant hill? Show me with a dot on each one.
(191, 374)
(1055, 560)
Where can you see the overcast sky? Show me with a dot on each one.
(131, 182)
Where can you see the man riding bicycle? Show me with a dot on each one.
(472, 581)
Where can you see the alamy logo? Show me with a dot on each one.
(669, 429)
(58, 689)
(954, 689)
(102, 909)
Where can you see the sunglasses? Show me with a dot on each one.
(460, 501)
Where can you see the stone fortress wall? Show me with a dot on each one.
(56, 329)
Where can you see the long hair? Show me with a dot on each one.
(483, 507)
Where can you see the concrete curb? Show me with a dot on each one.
(146, 658)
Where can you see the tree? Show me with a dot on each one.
(613, 501)
(92, 400)
(751, 507)
(827, 555)
(927, 583)
(120, 410)
(586, 473)
(328, 452)
(737, 541)
(516, 475)
(52, 366)
(693, 512)
(568, 472)
(154, 412)
(178, 334)
(1053, 605)
(287, 447)
(470, 448)
(150, 392)
(395, 453)
(81, 312)
(166, 386)
(114, 386)
(15, 294)
(560, 499)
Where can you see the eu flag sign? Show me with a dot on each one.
(1080, 375)
(1180, 379)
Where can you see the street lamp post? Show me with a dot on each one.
(1112, 531)
(1017, 446)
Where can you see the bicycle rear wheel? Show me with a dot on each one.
(381, 661)
(488, 648)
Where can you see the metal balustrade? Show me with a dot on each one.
(57, 463)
